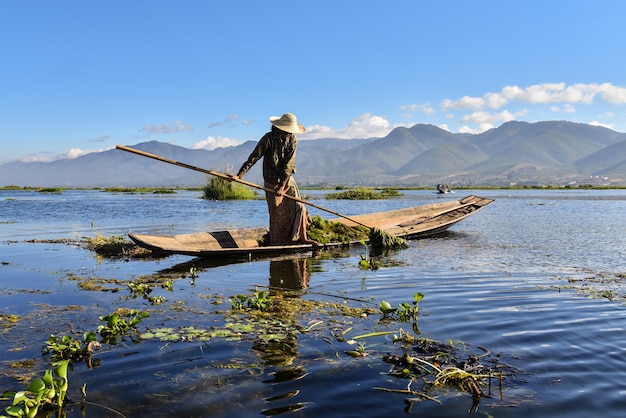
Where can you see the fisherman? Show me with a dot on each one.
(289, 219)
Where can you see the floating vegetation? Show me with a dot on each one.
(363, 193)
(219, 188)
(610, 286)
(405, 311)
(143, 289)
(259, 300)
(42, 394)
(120, 323)
(70, 348)
(274, 325)
(260, 316)
(439, 368)
(95, 283)
(9, 320)
(142, 190)
(50, 190)
(115, 246)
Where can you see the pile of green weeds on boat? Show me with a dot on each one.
(324, 231)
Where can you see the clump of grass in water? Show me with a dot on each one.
(50, 190)
(363, 193)
(114, 246)
(219, 188)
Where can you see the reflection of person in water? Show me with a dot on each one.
(291, 274)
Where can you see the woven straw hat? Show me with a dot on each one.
(288, 123)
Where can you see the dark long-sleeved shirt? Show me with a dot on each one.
(279, 157)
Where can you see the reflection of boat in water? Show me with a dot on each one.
(411, 223)
(443, 188)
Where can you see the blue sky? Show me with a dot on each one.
(83, 76)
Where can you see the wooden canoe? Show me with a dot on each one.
(410, 223)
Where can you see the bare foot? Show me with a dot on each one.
(310, 241)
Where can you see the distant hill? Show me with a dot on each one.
(553, 152)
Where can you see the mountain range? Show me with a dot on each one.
(522, 153)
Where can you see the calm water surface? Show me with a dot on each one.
(521, 278)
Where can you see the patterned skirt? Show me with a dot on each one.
(288, 218)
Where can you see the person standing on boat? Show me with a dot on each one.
(288, 219)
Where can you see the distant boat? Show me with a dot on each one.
(443, 188)
(410, 223)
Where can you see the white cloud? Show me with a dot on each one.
(103, 138)
(34, 158)
(613, 94)
(545, 93)
(364, 126)
(75, 153)
(424, 108)
(567, 108)
(228, 119)
(167, 128)
(481, 128)
(212, 142)
(70, 154)
(465, 102)
(487, 120)
(479, 113)
(604, 125)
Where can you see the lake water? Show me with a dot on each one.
(535, 282)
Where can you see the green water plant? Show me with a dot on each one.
(142, 289)
(43, 393)
(120, 323)
(218, 188)
(156, 300)
(259, 300)
(69, 348)
(405, 311)
(367, 262)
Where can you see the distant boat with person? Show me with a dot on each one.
(443, 188)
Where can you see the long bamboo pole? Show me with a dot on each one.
(238, 180)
